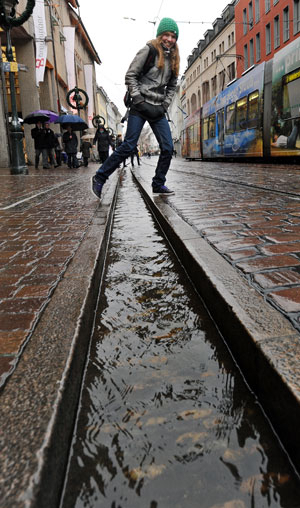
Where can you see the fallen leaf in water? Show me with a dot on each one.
(135, 474)
(194, 436)
(211, 422)
(194, 414)
(247, 486)
(159, 337)
(158, 359)
(232, 455)
(167, 335)
(155, 470)
(234, 503)
(155, 421)
(138, 387)
(149, 472)
(107, 428)
(208, 374)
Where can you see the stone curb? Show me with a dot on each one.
(39, 402)
(263, 342)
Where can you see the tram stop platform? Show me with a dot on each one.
(235, 228)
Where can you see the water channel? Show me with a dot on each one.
(165, 417)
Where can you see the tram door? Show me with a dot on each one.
(220, 119)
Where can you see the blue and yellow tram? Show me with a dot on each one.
(256, 116)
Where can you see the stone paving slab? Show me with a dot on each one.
(252, 293)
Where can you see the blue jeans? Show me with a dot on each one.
(162, 133)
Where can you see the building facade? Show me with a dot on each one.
(212, 64)
(264, 27)
(56, 54)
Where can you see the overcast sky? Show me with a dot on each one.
(117, 40)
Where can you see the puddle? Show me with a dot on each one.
(165, 418)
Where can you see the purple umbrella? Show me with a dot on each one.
(52, 115)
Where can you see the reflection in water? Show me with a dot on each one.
(165, 418)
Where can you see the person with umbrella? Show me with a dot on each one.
(49, 140)
(70, 142)
(38, 134)
(77, 123)
(41, 115)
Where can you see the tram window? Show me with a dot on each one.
(241, 114)
(291, 85)
(230, 119)
(205, 129)
(212, 126)
(220, 116)
(253, 116)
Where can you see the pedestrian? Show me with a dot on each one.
(103, 140)
(85, 147)
(113, 142)
(49, 141)
(151, 94)
(37, 133)
(58, 149)
(135, 153)
(119, 140)
(70, 142)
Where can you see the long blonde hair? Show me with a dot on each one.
(175, 58)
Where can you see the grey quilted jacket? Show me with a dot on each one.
(157, 86)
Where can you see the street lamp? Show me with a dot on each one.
(8, 20)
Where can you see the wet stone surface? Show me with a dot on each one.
(43, 219)
(235, 206)
(165, 418)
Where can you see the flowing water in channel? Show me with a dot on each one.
(165, 418)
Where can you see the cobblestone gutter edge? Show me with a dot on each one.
(39, 402)
(264, 344)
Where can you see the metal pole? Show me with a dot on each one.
(18, 165)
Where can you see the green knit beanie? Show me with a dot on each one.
(167, 25)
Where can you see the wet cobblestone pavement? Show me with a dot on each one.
(43, 219)
(243, 222)
(250, 213)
